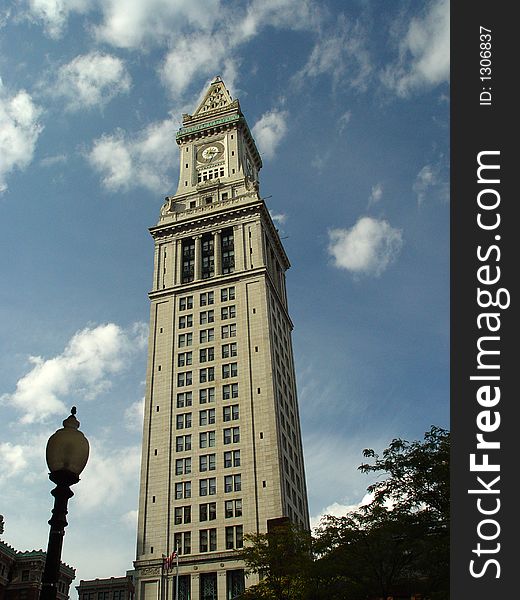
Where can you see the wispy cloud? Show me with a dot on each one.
(269, 131)
(424, 52)
(81, 370)
(90, 80)
(144, 159)
(19, 132)
(367, 248)
(432, 181)
(376, 193)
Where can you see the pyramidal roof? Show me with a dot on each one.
(216, 98)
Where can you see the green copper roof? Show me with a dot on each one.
(187, 130)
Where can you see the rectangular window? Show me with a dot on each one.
(184, 399)
(182, 515)
(206, 354)
(207, 256)
(235, 584)
(185, 321)
(185, 339)
(232, 483)
(229, 370)
(207, 417)
(229, 350)
(230, 413)
(232, 459)
(206, 395)
(207, 439)
(183, 421)
(186, 302)
(207, 374)
(230, 391)
(229, 330)
(228, 312)
(208, 542)
(232, 508)
(183, 490)
(184, 359)
(183, 466)
(207, 335)
(207, 462)
(188, 260)
(227, 251)
(234, 537)
(208, 511)
(227, 294)
(182, 443)
(182, 543)
(207, 316)
(207, 298)
(231, 435)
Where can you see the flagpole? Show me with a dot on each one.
(177, 573)
(162, 577)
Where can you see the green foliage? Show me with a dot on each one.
(396, 545)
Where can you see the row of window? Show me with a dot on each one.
(231, 435)
(207, 354)
(234, 538)
(207, 335)
(208, 512)
(208, 316)
(208, 588)
(207, 395)
(207, 374)
(208, 487)
(207, 462)
(208, 416)
(207, 298)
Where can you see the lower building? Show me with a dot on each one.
(21, 574)
(113, 588)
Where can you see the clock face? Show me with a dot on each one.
(210, 153)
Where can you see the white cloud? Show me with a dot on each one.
(424, 53)
(50, 161)
(367, 248)
(134, 415)
(278, 218)
(91, 80)
(344, 120)
(431, 181)
(12, 459)
(375, 194)
(269, 131)
(19, 131)
(130, 519)
(337, 509)
(108, 475)
(82, 369)
(54, 13)
(143, 160)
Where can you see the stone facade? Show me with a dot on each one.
(222, 451)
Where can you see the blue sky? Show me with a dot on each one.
(349, 106)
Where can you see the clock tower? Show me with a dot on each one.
(222, 452)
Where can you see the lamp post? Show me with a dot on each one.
(66, 454)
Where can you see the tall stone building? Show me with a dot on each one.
(222, 451)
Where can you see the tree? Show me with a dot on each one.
(399, 543)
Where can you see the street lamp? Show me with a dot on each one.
(66, 455)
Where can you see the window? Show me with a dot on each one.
(229, 350)
(228, 312)
(227, 251)
(232, 483)
(182, 443)
(231, 435)
(207, 335)
(227, 294)
(183, 466)
(207, 298)
(232, 459)
(206, 395)
(207, 316)
(185, 321)
(207, 439)
(229, 370)
(230, 391)
(235, 583)
(184, 358)
(185, 339)
(185, 303)
(207, 462)
(207, 417)
(183, 490)
(207, 374)
(182, 515)
(208, 487)
(183, 421)
(233, 508)
(182, 543)
(208, 542)
(234, 537)
(230, 413)
(184, 399)
(229, 330)
(208, 512)
(188, 260)
(207, 354)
